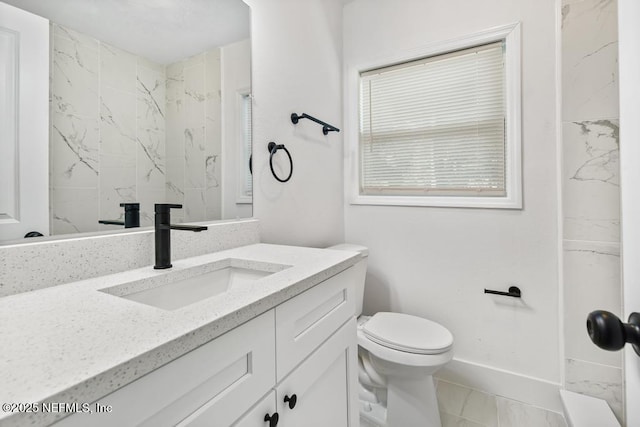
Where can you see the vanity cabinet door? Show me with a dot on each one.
(256, 416)
(303, 323)
(324, 385)
(212, 385)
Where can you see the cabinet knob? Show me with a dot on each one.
(291, 400)
(272, 419)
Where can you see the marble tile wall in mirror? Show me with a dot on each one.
(126, 129)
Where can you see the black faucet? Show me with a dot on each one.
(163, 233)
(131, 216)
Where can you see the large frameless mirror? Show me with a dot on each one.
(149, 102)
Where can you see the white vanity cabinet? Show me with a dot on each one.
(316, 361)
(309, 319)
(259, 415)
(305, 347)
(211, 385)
(322, 385)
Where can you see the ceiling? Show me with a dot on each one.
(164, 31)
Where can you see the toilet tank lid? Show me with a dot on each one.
(363, 250)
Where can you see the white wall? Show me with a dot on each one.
(236, 80)
(435, 262)
(297, 60)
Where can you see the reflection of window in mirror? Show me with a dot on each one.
(245, 187)
(8, 123)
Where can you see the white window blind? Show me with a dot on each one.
(435, 126)
(247, 187)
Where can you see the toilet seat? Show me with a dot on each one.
(406, 333)
(396, 356)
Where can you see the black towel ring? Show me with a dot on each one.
(273, 149)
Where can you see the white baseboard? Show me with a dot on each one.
(529, 390)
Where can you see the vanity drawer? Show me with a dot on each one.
(307, 320)
(212, 385)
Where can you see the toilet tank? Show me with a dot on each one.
(361, 270)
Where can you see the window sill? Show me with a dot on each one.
(440, 201)
(243, 200)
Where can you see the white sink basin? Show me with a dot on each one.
(179, 292)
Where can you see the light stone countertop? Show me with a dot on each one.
(74, 343)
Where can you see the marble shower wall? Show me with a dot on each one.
(107, 142)
(194, 136)
(591, 193)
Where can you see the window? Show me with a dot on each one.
(246, 182)
(442, 130)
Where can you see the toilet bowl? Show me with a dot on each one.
(397, 356)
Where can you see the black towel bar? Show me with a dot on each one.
(514, 292)
(326, 127)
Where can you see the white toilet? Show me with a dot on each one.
(398, 354)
